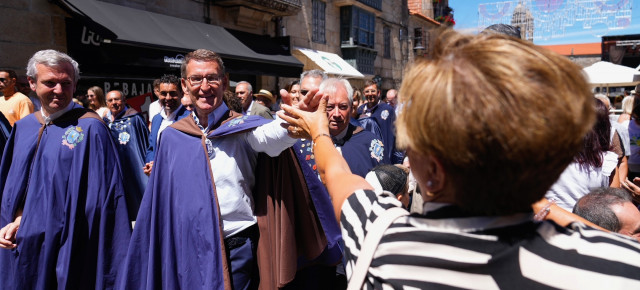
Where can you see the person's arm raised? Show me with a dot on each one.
(334, 170)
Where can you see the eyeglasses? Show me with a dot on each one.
(4, 80)
(211, 79)
(304, 92)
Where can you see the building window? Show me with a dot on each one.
(386, 31)
(358, 27)
(318, 21)
(377, 4)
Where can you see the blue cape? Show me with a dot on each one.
(75, 227)
(155, 127)
(5, 131)
(177, 242)
(129, 131)
(385, 116)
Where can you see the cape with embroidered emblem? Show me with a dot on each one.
(75, 228)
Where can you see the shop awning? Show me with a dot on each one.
(124, 25)
(331, 63)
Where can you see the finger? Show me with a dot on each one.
(286, 98)
(304, 104)
(322, 103)
(315, 101)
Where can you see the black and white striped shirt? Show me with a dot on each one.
(448, 248)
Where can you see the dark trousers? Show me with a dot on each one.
(241, 252)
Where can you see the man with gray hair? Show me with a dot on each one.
(244, 92)
(612, 209)
(63, 210)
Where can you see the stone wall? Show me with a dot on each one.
(29, 26)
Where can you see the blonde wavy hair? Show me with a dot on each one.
(503, 116)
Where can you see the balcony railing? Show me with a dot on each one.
(279, 7)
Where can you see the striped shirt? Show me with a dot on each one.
(447, 248)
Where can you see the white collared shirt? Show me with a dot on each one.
(167, 121)
(233, 164)
(50, 118)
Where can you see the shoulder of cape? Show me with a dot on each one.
(77, 113)
(187, 126)
(238, 123)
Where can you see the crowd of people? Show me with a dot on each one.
(493, 166)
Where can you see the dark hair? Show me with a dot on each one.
(635, 112)
(234, 103)
(370, 83)
(201, 55)
(156, 84)
(597, 140)
(291, 84)
(391, 178)
(504, 29)
(596, 206)
(170, 79)
(12, 73)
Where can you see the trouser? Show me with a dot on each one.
(241, 252)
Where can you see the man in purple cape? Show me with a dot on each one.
(385, 116)
(129, 131)
(205, 203)
(62, 197)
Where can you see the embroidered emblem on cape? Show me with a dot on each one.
(72, 137)
(124, 138)
(210, 151)
(384, 115)
(376, 149)
(237, 121)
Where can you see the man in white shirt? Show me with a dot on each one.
(169, 95)
(199, 199)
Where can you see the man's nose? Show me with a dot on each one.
(58, 88)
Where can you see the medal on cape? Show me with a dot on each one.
(72, 137)
(210, 151)
(124, 138)
(377, 149)
(384, 115)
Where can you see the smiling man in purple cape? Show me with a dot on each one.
(63, 211)
(206, 205)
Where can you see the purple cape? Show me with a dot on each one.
(75, 228)
(177, 242)
(130, 134)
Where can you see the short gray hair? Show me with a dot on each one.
(316, 73)
(249, 87)
(330, 85)
(51, 58)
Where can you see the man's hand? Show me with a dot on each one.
(8, 234)
(147, 168)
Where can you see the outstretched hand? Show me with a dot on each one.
(308, 103)
(307, 123)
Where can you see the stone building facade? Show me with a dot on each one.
(377, 37)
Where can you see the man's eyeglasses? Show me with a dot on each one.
(4, 80)
(211, 79)
(304, 92)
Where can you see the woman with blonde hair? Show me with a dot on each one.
(97, 102)
(489, 124)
